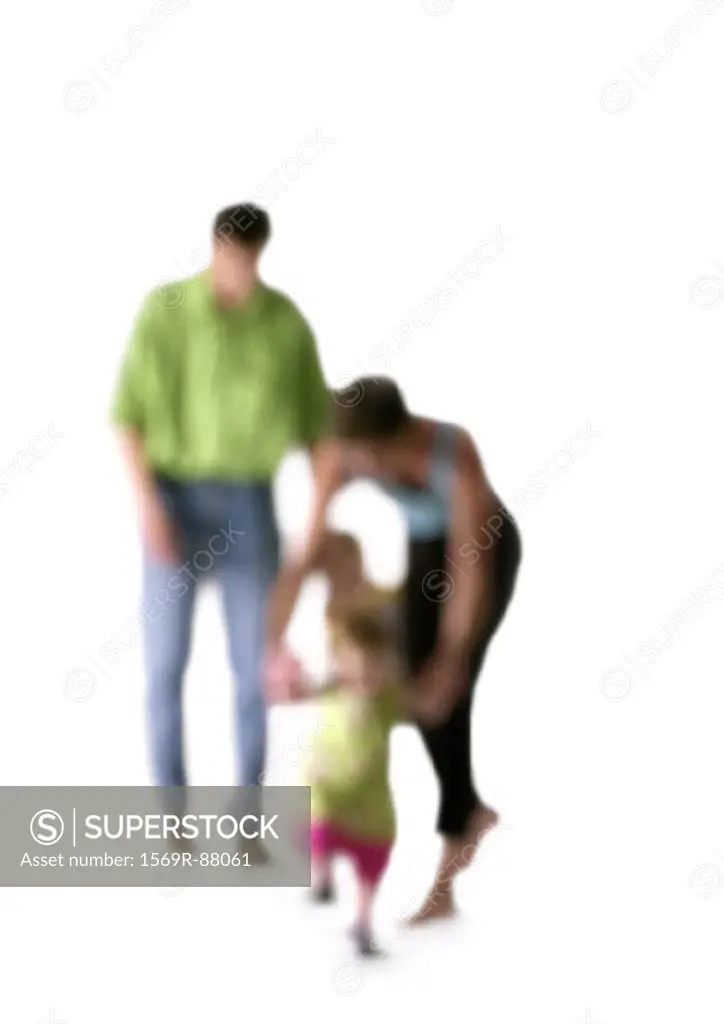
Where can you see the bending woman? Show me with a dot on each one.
(463, 556)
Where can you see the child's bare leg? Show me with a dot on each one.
(363, 927)
(322, 888)
(371, 862)
(456, 856)
(322, 849)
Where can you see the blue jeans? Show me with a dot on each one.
(227, 532)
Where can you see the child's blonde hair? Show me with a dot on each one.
(364, 629)
(346, 543)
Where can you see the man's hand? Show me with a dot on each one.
(158, 531)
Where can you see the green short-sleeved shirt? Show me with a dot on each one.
(354, 793)
(217, 393)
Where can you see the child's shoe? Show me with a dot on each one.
(323, 892)
(366, 945)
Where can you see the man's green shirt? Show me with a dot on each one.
(217, 393)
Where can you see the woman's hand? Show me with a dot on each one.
(438, 688)
(284, 676)
(328, 478)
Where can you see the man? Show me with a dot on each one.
(221, 379)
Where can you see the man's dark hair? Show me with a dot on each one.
(369, 409)
(246, 225)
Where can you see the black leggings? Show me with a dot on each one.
(449, 743)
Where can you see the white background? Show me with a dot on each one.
(601, 900)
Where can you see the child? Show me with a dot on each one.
(340, 561)
(352, 808)
(349, 588)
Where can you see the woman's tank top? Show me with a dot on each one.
(427, 509)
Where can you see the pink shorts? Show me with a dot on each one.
(370, 857)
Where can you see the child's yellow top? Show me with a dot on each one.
(350, 786)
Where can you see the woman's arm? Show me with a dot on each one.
(304, 691)
(469, 553)
(328, 478)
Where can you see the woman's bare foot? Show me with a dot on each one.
(482, 821)
(456, 856)
(439, 905)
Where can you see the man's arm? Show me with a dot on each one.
(156, 526)
(134, 455)
(328, 478)
(312, 392)
(129, 415)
